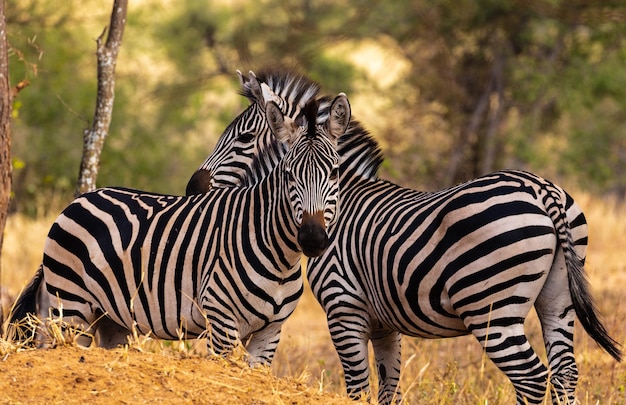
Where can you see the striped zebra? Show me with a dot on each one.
(471, 259)
(225, 263)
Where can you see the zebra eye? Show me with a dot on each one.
(245, 137)
(334, 173)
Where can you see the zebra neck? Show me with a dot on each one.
(360, 153)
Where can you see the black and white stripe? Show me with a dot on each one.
(249, 134)
(474, 258)
(225, 262)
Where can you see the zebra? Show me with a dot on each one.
(474, 258)
(470, 259)
(225, 263)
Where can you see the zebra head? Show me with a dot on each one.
(249, 134)
(311, 168)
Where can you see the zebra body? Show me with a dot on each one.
(447, 264)
(474, 258)
(226, 262)
(177, 260)
(418, 251)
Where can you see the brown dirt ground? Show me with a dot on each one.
(73, 375)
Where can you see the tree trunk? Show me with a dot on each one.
(5, 136)
(465, 135)
(496, 108)
(93, 138)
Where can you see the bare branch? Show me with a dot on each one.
(107, 59)
(19, 87)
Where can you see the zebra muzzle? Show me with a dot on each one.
(312, 236)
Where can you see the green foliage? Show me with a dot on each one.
(415, 73)
(47, 134)
(194, 26)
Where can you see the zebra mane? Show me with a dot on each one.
(310, 115)
(360, 153)
(290, 86)
(263, 163)
(267, 159)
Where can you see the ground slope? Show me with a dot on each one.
(71, 375)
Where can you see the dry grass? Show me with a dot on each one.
(72, 375)
(144, 370)
(452, 371)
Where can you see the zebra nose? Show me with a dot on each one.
(312, 236)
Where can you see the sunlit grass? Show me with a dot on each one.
(450, 371)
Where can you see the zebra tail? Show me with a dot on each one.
(26, 304)
(580, 291)
(585, 306)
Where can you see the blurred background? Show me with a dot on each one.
(451, 89)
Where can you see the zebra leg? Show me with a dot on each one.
(387, 349)
(556, 314)
(262, 345)
(222, 337)
(351, 346)
(508, 347)
(109, 334)
(74, 312)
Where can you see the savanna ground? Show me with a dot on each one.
(306, 368)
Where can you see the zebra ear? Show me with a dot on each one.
(251, 87)
(339, 116)
(242, 81)
(276, 121)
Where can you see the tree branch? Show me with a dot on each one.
(495, 114)
(93, 138)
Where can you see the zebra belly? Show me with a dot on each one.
(173, 317)
(417, 316)
(164, 313)
(90, 287)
